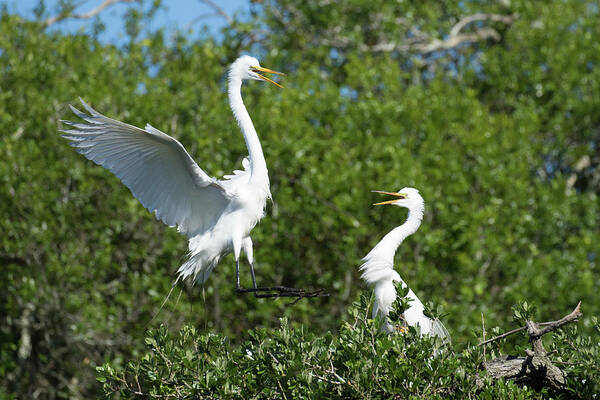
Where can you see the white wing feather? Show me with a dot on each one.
(239, 177)
(154, 166)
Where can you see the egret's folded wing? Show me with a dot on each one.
(376, 269)
(238, 178)
(154, 166)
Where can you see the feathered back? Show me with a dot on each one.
(381, 276)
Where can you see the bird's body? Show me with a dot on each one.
(378, 268)
(216, 215)
(250, 189)
(230, 232)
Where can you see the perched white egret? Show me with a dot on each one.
(378, 267)
(216, 215)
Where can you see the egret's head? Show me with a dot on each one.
(247, 67)
(407, 197)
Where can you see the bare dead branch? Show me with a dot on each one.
(87, 15)
(550, 326)
(218, 10)
(502, 336)
(483, 333)
(505, 19)
(456, 38)
(198, 18)
(536, 368)
(454, 41)
(423, 43)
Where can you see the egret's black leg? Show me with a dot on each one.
(253, 276)
(237, 273)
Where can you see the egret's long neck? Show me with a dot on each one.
(390, 242)
(398, 234)
(258, 164)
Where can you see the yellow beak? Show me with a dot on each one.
(269, 71)
(398, 195)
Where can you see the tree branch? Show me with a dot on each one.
(550, 326)
(92, 13)
(218, 10)
(423, 43)
(455, 41)
(456, 38)
(505, 19)
(536, 368)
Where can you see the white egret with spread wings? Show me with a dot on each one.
(216, 215)
(378, 267)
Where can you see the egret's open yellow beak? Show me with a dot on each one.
(398, 195)
(270, 71)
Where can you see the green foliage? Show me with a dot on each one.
(523, 312)
(579, 357)
(361, 362)
(501, 137)
(401, 304)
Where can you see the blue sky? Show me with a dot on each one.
(176, 14)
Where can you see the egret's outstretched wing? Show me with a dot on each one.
(154, 166)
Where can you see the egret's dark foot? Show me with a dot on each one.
(283, 291)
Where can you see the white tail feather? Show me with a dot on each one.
(199, 266)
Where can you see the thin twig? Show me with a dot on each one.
(281, 388)
(218, 10)
(137, 381)
(503, 335)
(92, 13)
(483, 333)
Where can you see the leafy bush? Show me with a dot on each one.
(360, 362)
